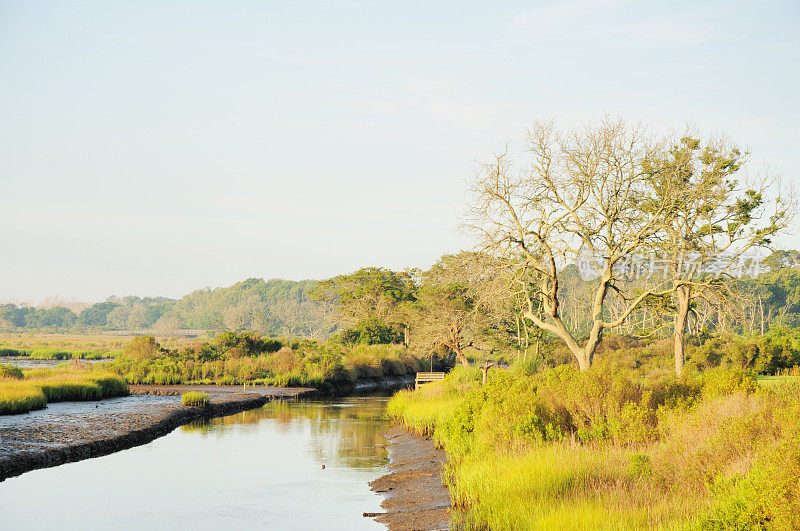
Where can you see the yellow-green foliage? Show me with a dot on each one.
(9, 371)
(766, 494)
(65, 383)
(20, 397)
(604, 449)
(195, 399)
(247, 358)
(62, 354)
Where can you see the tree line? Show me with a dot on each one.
(274, 307)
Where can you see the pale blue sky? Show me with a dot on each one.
(153, 148)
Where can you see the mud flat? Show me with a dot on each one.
(415, 496)
(72, 431)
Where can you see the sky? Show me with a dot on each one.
(155, 148)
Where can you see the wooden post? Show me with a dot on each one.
(485, 370)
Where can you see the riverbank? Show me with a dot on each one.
(59, 434)
(415, 495)
(69, 432)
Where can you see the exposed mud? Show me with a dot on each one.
(68, 432)
(71, 431)
(416, 498)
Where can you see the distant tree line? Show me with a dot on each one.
(275, 307)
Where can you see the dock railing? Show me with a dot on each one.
(427, 377)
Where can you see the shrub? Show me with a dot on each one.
(569, 449)
(724, 381)
(141, 348)
(9, 371)
(768, 494)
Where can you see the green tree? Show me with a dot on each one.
(711, 217)
(370, 293)
(449, 313)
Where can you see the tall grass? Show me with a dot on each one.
(67, 383)
(607, 449)
(195, 399)
(60, 354)
(20, 397)
(13, 352)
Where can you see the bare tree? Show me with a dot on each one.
(583, 194)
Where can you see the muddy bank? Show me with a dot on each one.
(363, 386)
(69, 432)
(384, 384)
(416, 498)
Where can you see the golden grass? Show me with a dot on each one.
(706, 461)
(73, 382)
(78, 342)
(195, 399)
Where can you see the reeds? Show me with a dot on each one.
(39, 386)
(195, 399)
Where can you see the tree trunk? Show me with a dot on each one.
(461, 357)
(682, 294)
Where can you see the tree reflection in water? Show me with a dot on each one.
(341, 432)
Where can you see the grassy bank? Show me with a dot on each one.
(23, 391)
(59, 354)
(234, 359)
(608, 449)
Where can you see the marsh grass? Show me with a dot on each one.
(60, 354)
(607, 450)
(13, 352)
(195, 399)
(71, 382)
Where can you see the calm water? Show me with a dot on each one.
(24, 362)
(261, 469)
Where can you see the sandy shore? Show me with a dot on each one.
(416, 498)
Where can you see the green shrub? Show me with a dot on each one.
(724, 381)
(9, 371)
(768, 495)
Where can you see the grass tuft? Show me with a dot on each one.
(195, 399)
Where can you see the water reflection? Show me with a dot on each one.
(261, 469)
(344, 433)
